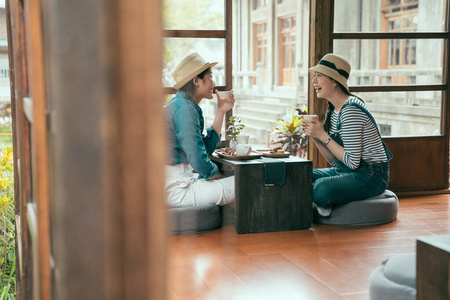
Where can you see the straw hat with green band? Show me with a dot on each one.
(188, 68)
(334, 66)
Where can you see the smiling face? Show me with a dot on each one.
(204, 87)
(324, 86)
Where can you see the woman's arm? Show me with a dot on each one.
(223, 105)
(188, 132)
(332, 150)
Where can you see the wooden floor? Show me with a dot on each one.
(324, 262)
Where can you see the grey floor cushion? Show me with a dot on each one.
(395, 279)
(376, 210)
(194, 219)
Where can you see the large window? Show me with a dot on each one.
(287, 42)
(203, 27)
(403, 81)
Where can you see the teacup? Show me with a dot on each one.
(242, 138)
(243, 149)
(224, 94)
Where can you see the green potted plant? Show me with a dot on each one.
(234, 129)
(289, 134)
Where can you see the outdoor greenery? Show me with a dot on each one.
(174, 17)
(289, 134)
(5, 124)
(5, 136)
(7, 226)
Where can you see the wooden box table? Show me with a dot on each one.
(433, 267)
(261, 208)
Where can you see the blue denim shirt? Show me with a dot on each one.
(186, 141)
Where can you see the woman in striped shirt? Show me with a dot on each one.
(349, 140)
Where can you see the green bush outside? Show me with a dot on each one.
(7, 225)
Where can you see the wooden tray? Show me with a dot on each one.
(251, 155)
(270, 154)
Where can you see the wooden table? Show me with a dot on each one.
(433, 264)
(275, 208)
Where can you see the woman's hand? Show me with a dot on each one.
(314, 129)
(225, 104)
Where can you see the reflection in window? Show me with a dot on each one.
(405, 113)
(366, 15)
(400, 16)
(260, 44)
(385, 130)
(259, 3)
(287, 50)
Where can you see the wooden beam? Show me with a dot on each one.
(37, 77)
(320, 43)
(109, 212)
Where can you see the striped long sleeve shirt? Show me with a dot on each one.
(359, 136)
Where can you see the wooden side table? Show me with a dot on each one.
(275, 208)
(433, 263)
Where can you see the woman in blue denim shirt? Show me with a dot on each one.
(349, 140)
(192, 179)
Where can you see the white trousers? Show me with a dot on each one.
(184, 189)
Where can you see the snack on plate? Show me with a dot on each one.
(229, 151)
(277, 150)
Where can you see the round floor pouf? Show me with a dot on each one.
(376, 210)
(395, 279)
(194, 219)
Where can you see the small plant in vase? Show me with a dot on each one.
(234, 129)
(289, 134)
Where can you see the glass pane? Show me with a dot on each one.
(176, 49)
(194, 15)
(376, 62)
(384, 16)
(406, 113)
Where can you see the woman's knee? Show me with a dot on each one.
(321, 195)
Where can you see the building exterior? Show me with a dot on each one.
(270, 61)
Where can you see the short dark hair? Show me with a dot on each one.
(189, 87)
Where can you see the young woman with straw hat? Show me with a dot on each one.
(188, 146)
(349, 140)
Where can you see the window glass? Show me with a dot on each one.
(389, 15)
(287, 51)
(176, 49)
(259, 3)
(396, 62)
(405, 113)
(179, 15)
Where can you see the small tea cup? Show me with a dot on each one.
(224, 94)
(243, 149)
(242, 138)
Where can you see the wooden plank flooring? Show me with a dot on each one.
(324, 262)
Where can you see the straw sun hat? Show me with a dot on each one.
(188, 68)
(334, 66)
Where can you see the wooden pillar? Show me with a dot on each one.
(107, 144)
(320, 43)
